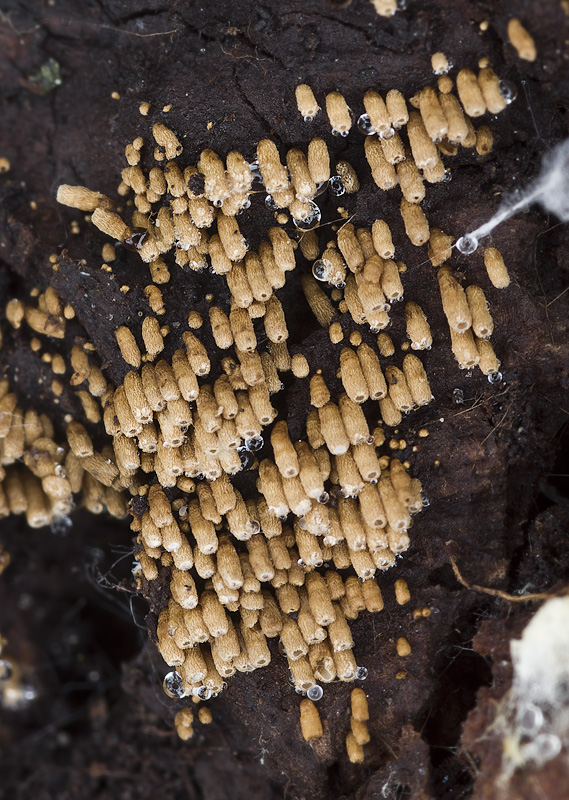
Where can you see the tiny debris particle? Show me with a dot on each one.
(115, 96)
(144, 108)
(4, 164)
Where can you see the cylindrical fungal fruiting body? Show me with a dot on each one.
(382, 172)
(482, 322)
(396, 108)
(454, 300)
(470, 94)
(496, 269)
(432, 114)
(415, 221)
(489, 363)
(82, 198)
(418, 329)
(521, 40)
(423, 148)
(339, 113)
(306, 102)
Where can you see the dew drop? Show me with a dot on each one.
(218, 203)
(495, 377)
(315, 692)
(361, 673)
(467, 244)
(508, 90)
(254, 444)
(321, 269)
(387, 133)
(255, 172)
(365, 126)
(270, 203)
(61, 525)
(425, 501)
(531, 719)
(173, 685)
(336, 186)
(6, 670)
(311, 221)
(447, 177)
(246, 457)
(458, 396)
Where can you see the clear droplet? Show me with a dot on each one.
(387, 133)
(321, 269)
(6, 670)
(458, 396)
(495, 377)
(218, 203)
(173, 685)
(324, 497)
(204, 693)
(315, 692)
(312, 220)
(245, 205)
(336, 186)
(247, 458)
(61, 525)
(531, 719)
(425, 501)
(255, 172)
(309, 117)
(467, 244)
(508, 90)
(270, 203)
(254, 444)
(365, 126)
(361, 673)
(447, 177)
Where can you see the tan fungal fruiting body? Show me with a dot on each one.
(273, 173)
(439, 63)
(490, 87)
(128, 346)
(338, 113)
(496, 269)
(82, 198)
(418, 329)
(382, 172)
(423, 148)
(410, 181)
(415, 221)
(521, 40)
(470, 93)
(464, 349)
(482, 323)
(440, 247)
(110, 223)
(488, 363)
(454, 300)
(306, 102)
(432, 114)
(484, 140)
